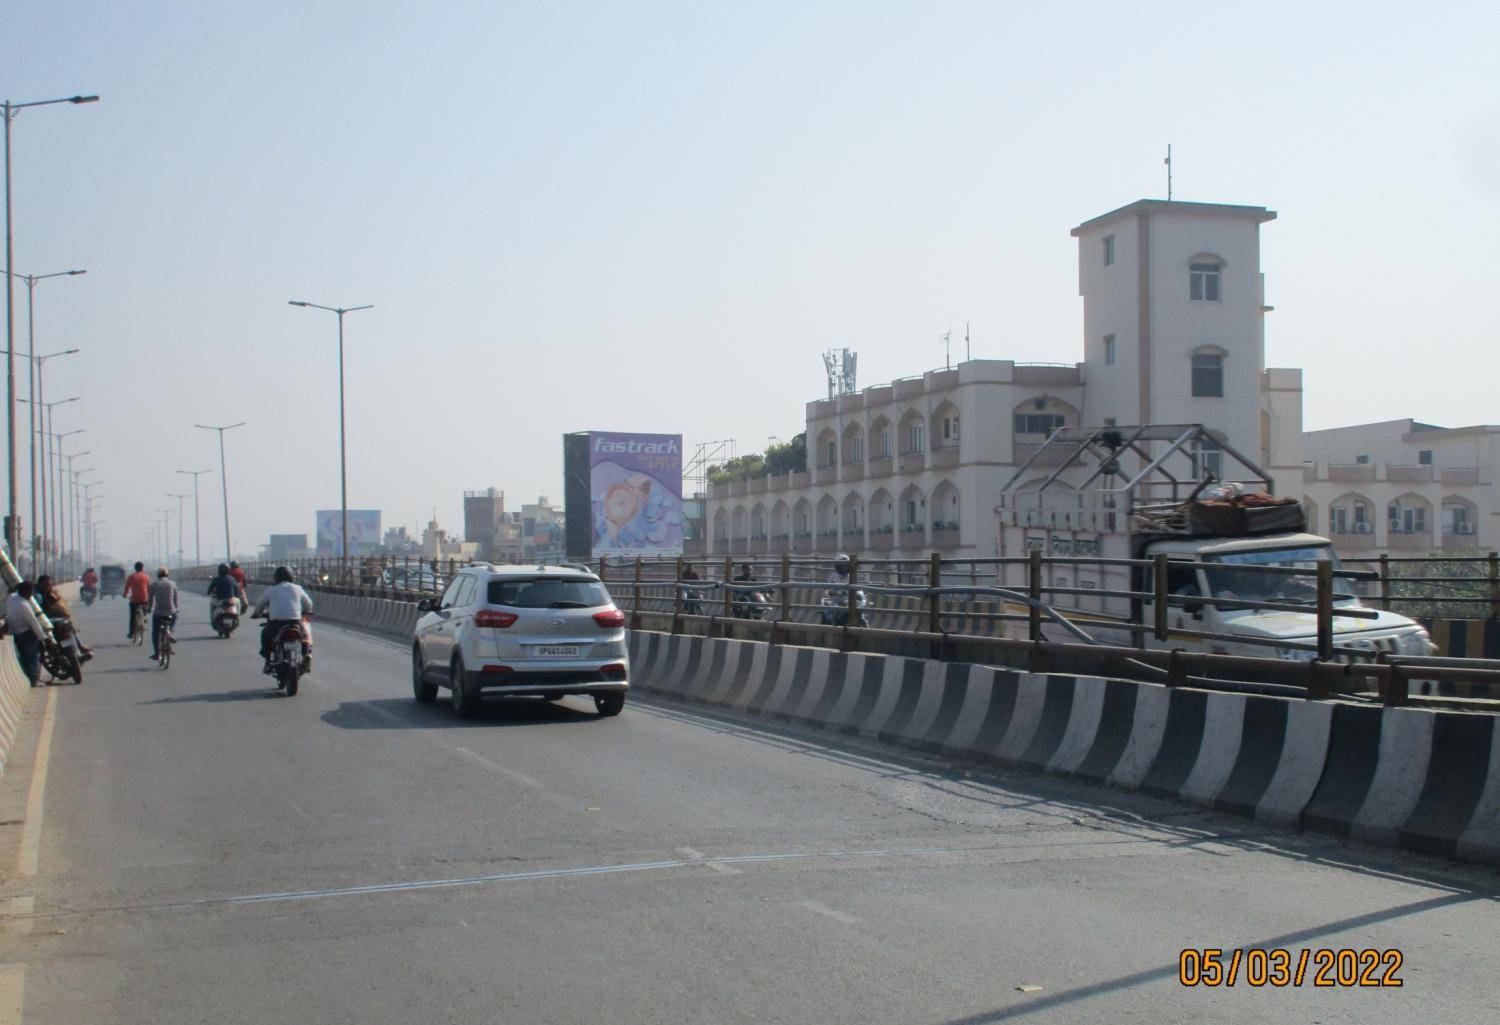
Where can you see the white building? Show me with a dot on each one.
(1173, 333)
(1402, 487)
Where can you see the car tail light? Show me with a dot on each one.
(610, 619)
(613, 671)
(491, 618)
(497, 669)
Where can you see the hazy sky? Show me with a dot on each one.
(656, 216)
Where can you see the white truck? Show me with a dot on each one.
(1126, 495)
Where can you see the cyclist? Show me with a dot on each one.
(163, 609)
(138, 592)
(283, 604)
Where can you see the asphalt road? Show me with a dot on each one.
(212, 852)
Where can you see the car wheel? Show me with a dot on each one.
(421, 689)
(609, 704)
(465, 701)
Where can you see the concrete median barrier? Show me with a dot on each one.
(1427, 780)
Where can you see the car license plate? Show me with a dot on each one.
(555, 650)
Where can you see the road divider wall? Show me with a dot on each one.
(395, 619)
(15, 692)
(1423, 779)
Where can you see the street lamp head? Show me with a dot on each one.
(73, 273)
(83, 99)
(297, 302)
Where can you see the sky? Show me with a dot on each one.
(656, 216)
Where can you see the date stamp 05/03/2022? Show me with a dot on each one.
(1324, 967)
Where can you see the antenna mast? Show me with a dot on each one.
(840, 365)
(948, 349)
(968, 352)
(1168, 162)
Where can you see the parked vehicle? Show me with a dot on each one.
(544, 631)
(412, 578)
(60, 655)
(226, 616)
(835, 608)
(1173, 502)
(111, 580)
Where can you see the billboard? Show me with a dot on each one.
(634, 494)
(364, 530)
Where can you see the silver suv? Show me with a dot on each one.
(547, 631)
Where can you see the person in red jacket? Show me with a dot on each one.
(239, 576)
(138, 593)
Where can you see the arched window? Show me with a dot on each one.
(802, 518)
(882, 512)
(945, 507)
(828, 517)
(854, 514)
(1409, 514)
(882, 439)
(758, 522)
(721, 526)
(1310, 511)
(739, 524)
(828, 448)
(1460, 516)
(945, 426)
(913, 438)
(1204, 271)
(913, 511)
(854, 444)
(780, 519)
(1208, 372)
(1351, 514)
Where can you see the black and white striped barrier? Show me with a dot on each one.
(1427, 780)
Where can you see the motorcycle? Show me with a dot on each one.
(60, 656)
(226, 616)
(88, 594)
(291, 656)
(749, 605)
(835, 608)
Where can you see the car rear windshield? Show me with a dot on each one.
(548, 593)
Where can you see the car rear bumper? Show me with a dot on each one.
(523, 682)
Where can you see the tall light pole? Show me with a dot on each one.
(223, 479)
(34, 375)
(12, 527)
(165, 537)
(88, 510)
(197, 535)
(70, 513)
(343, 459)
(38, 364)
(57, 495)
(47, 488)
(179, 524)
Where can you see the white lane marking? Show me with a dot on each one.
(828, 912)
(699, 858)
(494, 766)
(12, 991)
(30, 854)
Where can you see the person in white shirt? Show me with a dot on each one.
(283, 604)
(25, 630)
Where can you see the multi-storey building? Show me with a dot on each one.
(1174, 314)
(1402, 487)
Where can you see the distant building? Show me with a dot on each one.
(1403, 488)
(285, 547)
(484, 512)
(398, 542)
(436, 544)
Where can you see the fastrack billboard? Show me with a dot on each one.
(634, 493)
(364, 530)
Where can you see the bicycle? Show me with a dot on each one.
(164, 643)
(138, 625)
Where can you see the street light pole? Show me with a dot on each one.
(179, 525)
(197, 534)
(224, 480)
(13, 528)
(70, 514)
(343, 459)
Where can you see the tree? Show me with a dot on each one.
(788, 457)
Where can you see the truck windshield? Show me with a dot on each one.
(1250, 585)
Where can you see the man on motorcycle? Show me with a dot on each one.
(138, 593)
(89, 581)
(54, 607)
(163, 609)
(223, 588)
(238, 574)
(747, 604)
(283, 604)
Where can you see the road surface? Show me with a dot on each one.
(190, 847)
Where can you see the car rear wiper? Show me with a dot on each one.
(569, 605)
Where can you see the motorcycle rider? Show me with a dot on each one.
(238, 574)
(53, 607)
(690, 603)
(163, 609)
(222, 588)
(283, 604)
(90, 580)
(838, 614)
(749, 602)
(138, 593)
